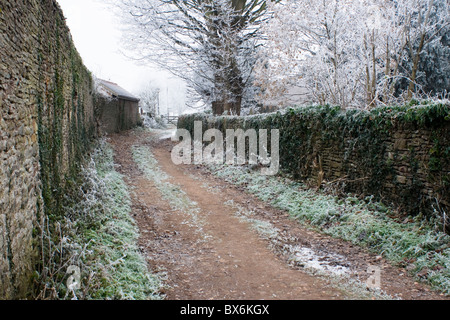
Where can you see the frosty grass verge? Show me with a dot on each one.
(112, 256)
(332, 267)
(416, 246)
(177, 198)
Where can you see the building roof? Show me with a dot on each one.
(114, 90)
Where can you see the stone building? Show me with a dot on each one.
(118, 109)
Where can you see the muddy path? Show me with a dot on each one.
(220, 256)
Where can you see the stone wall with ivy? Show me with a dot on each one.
(401, 155)
(47, 122)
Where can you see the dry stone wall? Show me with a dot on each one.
(400, 155)
(47, 121)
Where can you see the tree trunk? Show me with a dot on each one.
(416, 58)
(217, 107)
(415, 67)
(223, 32)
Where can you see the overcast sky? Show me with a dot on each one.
(95, 31)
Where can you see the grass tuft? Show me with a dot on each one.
(98, 236)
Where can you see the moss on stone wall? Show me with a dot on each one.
(47, 124)
(398, 154)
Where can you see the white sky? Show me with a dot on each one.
(95, 31)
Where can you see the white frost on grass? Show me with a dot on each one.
(325, 262)
(330, 266)
(112, 262)
(416, 244)
(176, 197)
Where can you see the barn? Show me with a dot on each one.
(118, 109)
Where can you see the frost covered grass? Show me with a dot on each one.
(324, 264)
(98, 236)
(124, 268)
(177, 198)
(264, 228)
(154, 123)
(416, 245)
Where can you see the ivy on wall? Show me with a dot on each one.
(64, 131)
(47, 125)
(400, 154)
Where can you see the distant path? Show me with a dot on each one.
(223, 258)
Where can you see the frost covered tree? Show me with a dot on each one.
(208, 43)
(319, 45)
(426, 47)
(353, 53)
(149, 99)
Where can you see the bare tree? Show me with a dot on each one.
(423, 22)
(149, 99)
(353, 53)
(205, 42)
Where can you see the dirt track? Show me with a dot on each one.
(228, 259)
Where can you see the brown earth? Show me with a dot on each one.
(234, 262)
